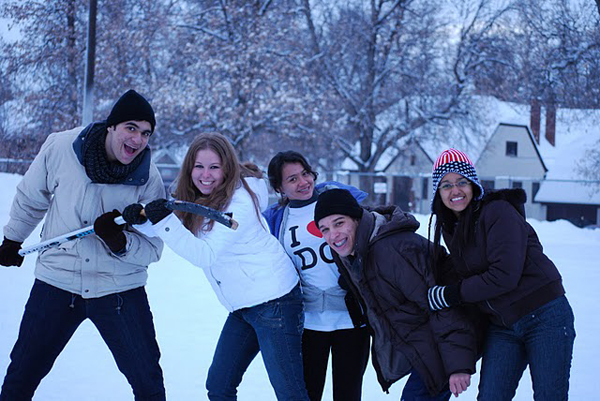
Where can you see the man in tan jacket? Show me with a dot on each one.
(78, 177)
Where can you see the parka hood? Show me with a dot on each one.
(379, 222)
(395, 220)
(516, 197)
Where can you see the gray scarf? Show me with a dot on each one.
(95, 160)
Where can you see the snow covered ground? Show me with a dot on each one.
(188, 320)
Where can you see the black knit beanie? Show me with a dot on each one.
(131, 107)
(337, 201)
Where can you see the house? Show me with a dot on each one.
(409, 177)
(168, 164)
(565, 193)
(404, 177)
(507, 154)
(575, 201)
(511, 159)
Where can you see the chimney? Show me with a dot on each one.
(551, 124)
(535, 119)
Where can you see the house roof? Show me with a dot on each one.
(561, 191)
(168, 156)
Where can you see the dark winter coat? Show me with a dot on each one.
(503, 269)
(390, 273)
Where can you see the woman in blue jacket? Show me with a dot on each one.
(500, 266)
(333, 320)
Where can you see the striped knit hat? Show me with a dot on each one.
(454, 161)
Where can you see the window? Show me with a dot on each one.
(413, 160)
(425, 189)
(488, 185)
(535, 187)
(511, 148)
(517, 184)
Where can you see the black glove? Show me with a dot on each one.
(111, 232)
(133, 214)
(157, 210)
(441, 297)
(9, 253)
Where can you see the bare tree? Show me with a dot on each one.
(550, 52)
(392, 70)
(134, 46)
(43, 64)
(238, 76)
(334, 79)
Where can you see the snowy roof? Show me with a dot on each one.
(576, 131)
(472, 141)
(170, 155)
(492, 112)
(579, 192)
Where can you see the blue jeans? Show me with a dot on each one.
(415, 390)
(275, 329)
(543, 339)
(51, 317)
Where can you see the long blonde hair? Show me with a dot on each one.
(219, 198)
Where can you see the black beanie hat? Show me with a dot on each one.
(337, 201)
(131, 107)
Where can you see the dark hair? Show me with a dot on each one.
(446, 221)
(281, 159)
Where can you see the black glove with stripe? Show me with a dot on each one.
(443, 296)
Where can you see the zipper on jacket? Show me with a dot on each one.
(487, 301)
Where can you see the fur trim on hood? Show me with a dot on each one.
(515, 196)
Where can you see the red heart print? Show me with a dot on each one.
(312, 228)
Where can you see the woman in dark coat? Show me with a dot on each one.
(387, 266)
(500, 266)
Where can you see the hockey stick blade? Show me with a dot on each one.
(221, 217)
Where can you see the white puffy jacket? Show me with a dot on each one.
(245, 267)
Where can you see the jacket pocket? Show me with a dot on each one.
(59, 263)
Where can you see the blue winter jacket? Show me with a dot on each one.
(275, 213)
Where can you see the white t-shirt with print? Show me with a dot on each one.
(312, 257)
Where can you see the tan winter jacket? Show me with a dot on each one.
(57, 187)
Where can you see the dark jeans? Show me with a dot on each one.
(51, 317)
(275, 329)
(415, 390)
(349, 357)
(543, 340)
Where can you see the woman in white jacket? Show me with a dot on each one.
(248, 269)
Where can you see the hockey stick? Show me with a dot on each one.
(224, 218)
(61, 239)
